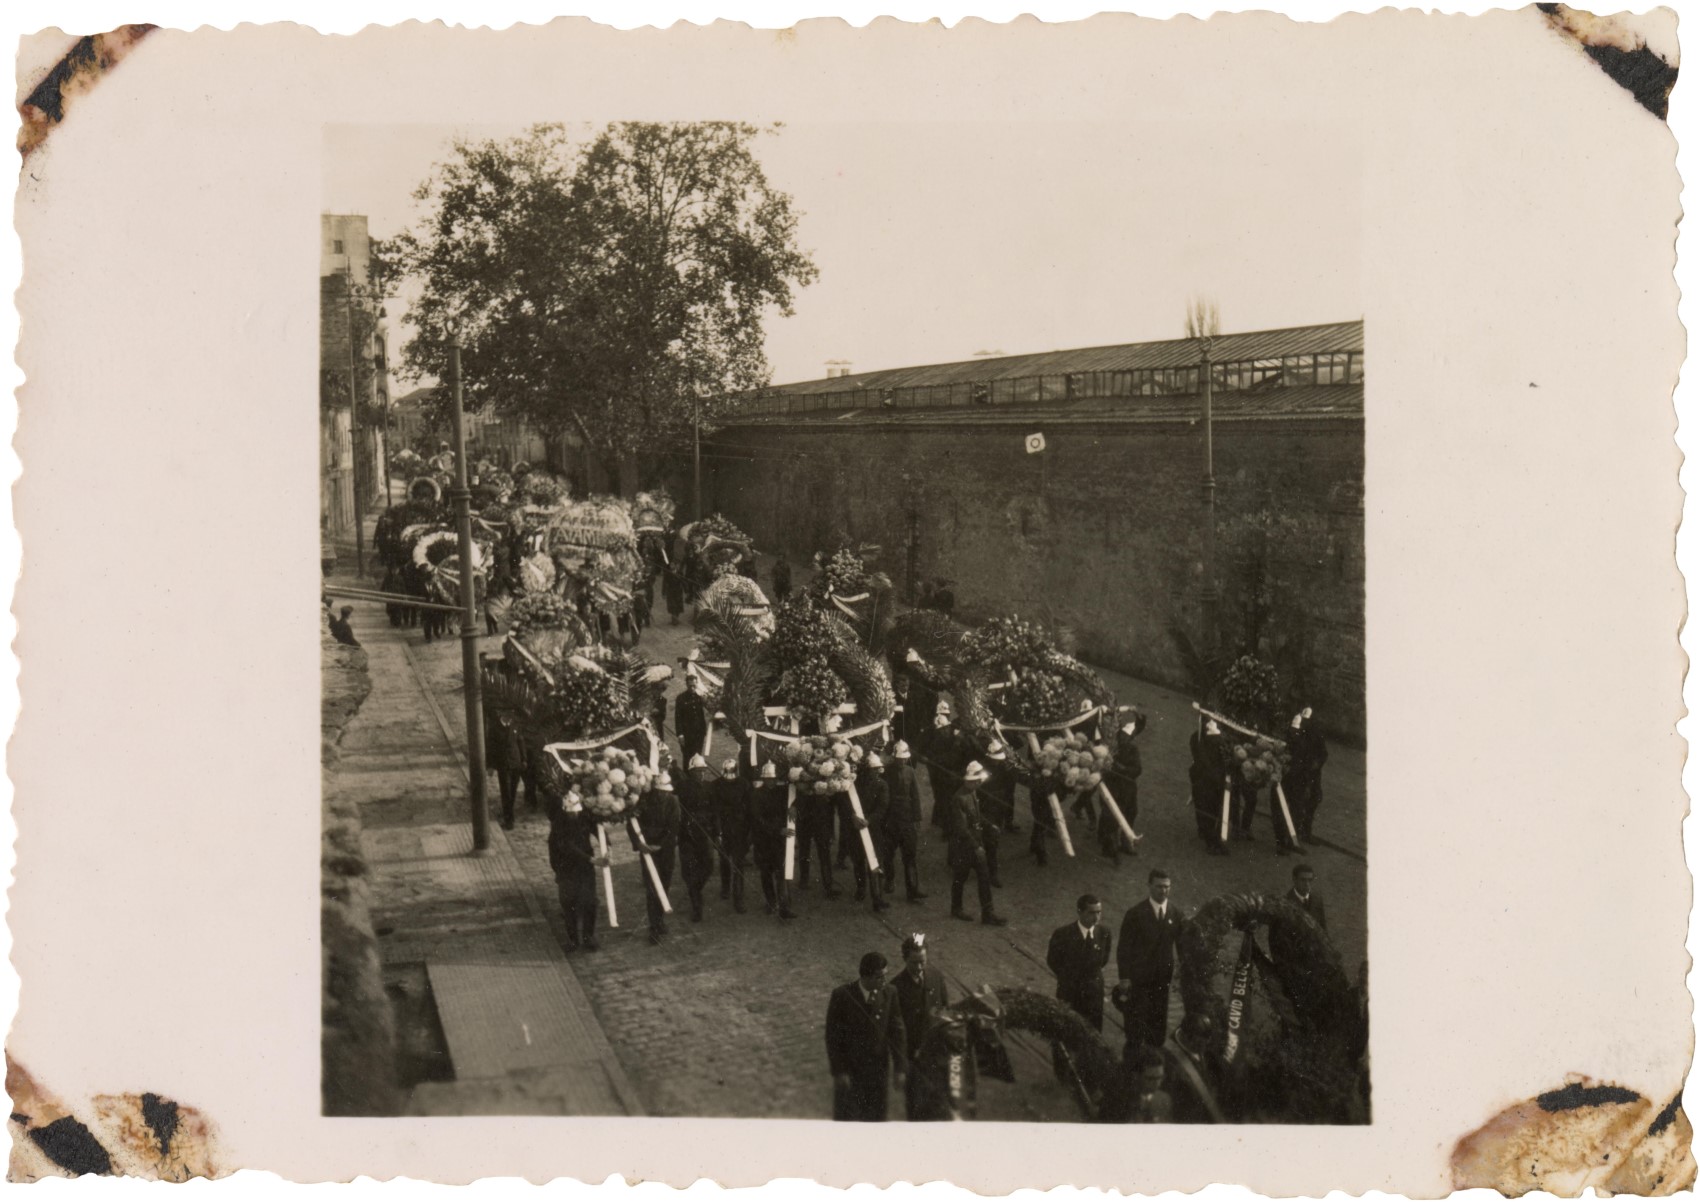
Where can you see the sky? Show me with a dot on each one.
(937, 241)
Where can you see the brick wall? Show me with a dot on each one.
(1102, 531)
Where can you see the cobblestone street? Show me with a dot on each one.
(725, 1017)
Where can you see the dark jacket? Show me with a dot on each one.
(1124, 772)
(769, 810)
(731, 800)
(875, 796)
(905, 787)
(1312, 906)
(501, 741)
(1079, 965)
(572, 843)
(965, 825)
(861, 1041)
(343, 633)
(659, 815)
(699, 820)
(999, 792)
(1146, 955)
(690, 722)
(782, 577)
(918, 1001)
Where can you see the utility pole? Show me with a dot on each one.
(471, 682)
(1202, 325)
(354, 428)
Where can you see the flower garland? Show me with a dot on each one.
(1262, 762)
(540, 488)
(534, 611)
(1036, 697)
(715, 525)
(820, 763)
(798, 632)
(433, 548)
(611, 781)
(1069, 763)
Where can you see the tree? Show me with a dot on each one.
(614, 288)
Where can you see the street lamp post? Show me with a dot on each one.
(696, 461)
(471, 683)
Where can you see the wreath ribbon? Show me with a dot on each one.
(599, 741)
(844, 603)
(1069, 725)
(776, 737)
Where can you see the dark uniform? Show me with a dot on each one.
(1123, 784)
(658, 814)
(998, 797)
(968, 853)
(504, 756)
(699, 830)
(690, 722)
(732, 819)
(815, 813)
(875, 797)
(1309, 754)
(1044, 824)
(769, 816)
(901, 831)
(919, 997)
(572, 844)
(673, 591)
(864, 1041)
(946, 752)
(1208, 772)
(1146, 960)
(781, 579)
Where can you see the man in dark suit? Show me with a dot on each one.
(1304, 876)
(690, 718)
(866, 1045)
(771, 821)
(921, 993)
(1123, 783)
(1145, 961)
(1077, 955)
(574, 856)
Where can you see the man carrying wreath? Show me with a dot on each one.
(966, 826)
(658, 814)
(770, 824)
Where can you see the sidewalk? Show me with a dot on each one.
(495, 1014)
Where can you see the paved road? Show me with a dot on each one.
(725, 1018)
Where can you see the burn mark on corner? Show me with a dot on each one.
(1575, 1096)
(1584, 1134)
(80, 69)
(72, 1147)
(1620, 52)
(131, 1135)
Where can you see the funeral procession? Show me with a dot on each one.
(787, 653)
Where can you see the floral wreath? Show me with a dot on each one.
(422, 549)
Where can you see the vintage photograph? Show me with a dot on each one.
(844, 621)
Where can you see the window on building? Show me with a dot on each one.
(1355, 368)
(336, 247)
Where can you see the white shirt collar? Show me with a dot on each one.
(1084, 933)
(1158, 907)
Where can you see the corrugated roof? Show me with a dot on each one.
(1133, 356)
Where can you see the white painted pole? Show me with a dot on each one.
(867, 836)
(1227, 791)
(1286, 814)
(607, 876)
(1062, 825)
(1116, 812)
(791, 839)
(654, 872)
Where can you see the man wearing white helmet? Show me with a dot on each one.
(698, 830)
(875, 797)
(1309, 753)
(574, 857)
(770, 822)
(967, 847)
(998, 798)
(946, 752)
(658, 814)
(1209, 778)
(902, 830)
(1123, 783)
(731, 796)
